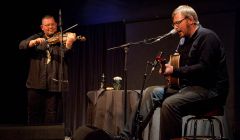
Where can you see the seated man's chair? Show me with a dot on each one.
(209, 116)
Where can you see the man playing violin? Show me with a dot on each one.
(47, 75)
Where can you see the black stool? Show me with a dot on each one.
(209, 116)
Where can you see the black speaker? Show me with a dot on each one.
(91, 133)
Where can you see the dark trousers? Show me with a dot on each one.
(174, 104)
(44, 108)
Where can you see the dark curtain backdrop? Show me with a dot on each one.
(89, 61)
(236, 97)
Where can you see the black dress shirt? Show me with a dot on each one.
(52, 76)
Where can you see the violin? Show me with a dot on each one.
(56, 38)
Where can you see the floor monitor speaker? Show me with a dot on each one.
(91, 133)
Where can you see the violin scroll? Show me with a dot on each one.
(81, 38)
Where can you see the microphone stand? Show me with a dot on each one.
(67, 131)
(138, 127)
(61, 52)
(126, 48)
(125, 84)
(140, 124)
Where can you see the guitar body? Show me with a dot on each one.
(173, 82)
(174, 61)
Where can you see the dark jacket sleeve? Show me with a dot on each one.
(24, 43)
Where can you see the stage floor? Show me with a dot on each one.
(43, 132)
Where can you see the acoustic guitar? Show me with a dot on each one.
(174, 60)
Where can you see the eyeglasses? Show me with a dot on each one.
(176, 23)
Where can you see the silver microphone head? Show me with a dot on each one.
(172, 32)
(182, 40)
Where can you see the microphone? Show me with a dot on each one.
(181, 42)
(172, 32)
(60, 18)
(156, 61)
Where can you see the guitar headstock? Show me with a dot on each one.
(162, 61)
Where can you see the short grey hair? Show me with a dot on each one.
(186, 11)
